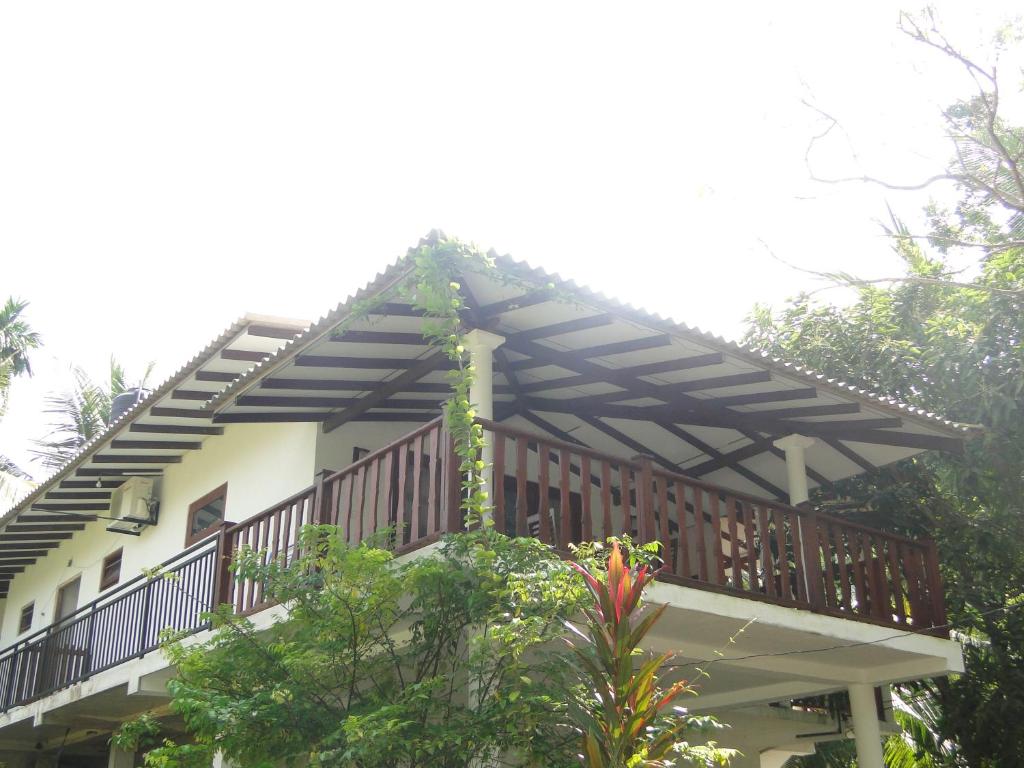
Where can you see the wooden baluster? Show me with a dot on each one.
(668, 552)
(885, 608)
(782, 552)
(700, 531)
(498, 483)
(372, 495)
(683, 558)
(522, 513)
(222, 574)
(543, 498)
(812, 558)
(645, 500)
(767, 563)
(859, 571)
(433, 507)
(403, 530)
(453, 484)
(626, 503)
(734, 543)
(586, 491)
(897, 582)
(750, 531)
(416, 524)
(606, 498)
(934, 581)
(384, 513)
(799, 574)
(910, 566)
(717, 568)
(565, 507)
(824, 542)
(842, 569)
(356, 513)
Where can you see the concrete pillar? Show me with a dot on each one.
(866, 731)
(794, 447)
(120, 758)
(481, 345)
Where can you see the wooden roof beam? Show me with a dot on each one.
(386, 390)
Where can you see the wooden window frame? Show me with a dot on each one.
(106, 583)
(218, 492)
(31, 608)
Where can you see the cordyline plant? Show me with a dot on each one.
(628, 719)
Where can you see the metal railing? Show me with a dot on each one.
(121, 624)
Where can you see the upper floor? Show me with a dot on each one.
(601, 420)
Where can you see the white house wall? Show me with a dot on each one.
(261, 463)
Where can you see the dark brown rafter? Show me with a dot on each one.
(93, 495)
(111, 458)
(70, 507)
(490, 311)
(267, 331)
(158, 445)
(386, 390)
(243, 355)
(724, 460)
(669, 390)
(17, 528)
(621, 348)
(681, 364)
(119, 472)
(91, 484)
(363, 363)
(216, 376)
(22, 551)
(379, 337)
(714, 453)
(629, 442)
(174, 429)
(835, 409)
(192, 394)
(178, 413)
(851, 454)
(55, 518)
(560, 329)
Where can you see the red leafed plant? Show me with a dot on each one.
(627, 719)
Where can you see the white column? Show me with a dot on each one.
(120, 758)
(481, 345)
(866, 731)
(794, 447)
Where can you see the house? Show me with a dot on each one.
(601, 419)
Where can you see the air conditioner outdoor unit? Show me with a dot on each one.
(133, 506)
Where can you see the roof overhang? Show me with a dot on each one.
(585, 368)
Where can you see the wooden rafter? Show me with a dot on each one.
(386, 390)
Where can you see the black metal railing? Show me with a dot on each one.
(119, 625)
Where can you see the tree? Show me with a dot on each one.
(82, 413)
(952, 346)
(434, 662)
(17, 340)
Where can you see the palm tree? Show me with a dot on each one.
(81, 413)
(17, 340)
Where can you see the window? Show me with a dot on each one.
(205, 514)
(25, 621)
(111, 573)
(67, 599)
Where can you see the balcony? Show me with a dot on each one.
(712, 539)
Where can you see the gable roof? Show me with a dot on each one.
(581, 366)
(154, 433)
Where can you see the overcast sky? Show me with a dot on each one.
(165, 167)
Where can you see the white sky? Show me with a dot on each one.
(165, 167)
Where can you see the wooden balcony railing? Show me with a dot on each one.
(712, 538)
